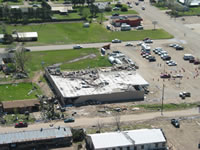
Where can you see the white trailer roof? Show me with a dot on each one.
(127, 138)
(27, 34)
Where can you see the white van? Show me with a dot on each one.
(145, 47)
(188, 56)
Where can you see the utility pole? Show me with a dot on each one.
(163, 90)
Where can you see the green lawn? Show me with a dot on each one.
(193, 11)
(64, 56)
(69, 16)
(12, 2)
(17, 91)
(66, 33)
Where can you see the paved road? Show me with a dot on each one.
(85, 121)
(174, 27)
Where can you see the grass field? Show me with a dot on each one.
(64, 56)
(66, 33)
(69, 16)
(18, 91)
(193, 11)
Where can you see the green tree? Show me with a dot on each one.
(86, 13)
(94, 10)
(8, 39)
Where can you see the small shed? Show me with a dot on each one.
(21, 105)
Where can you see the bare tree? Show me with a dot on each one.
(20, 58)
(117, 120)
(100, 125)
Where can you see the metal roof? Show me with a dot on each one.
(34, 135)
(127, 138)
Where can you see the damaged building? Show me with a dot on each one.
(105, 85)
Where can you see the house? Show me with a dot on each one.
(21, 106)
(133, 21)
(142, 139)
(36, 139)
(27, 36)
(61, 9)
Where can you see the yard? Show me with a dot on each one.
(66, 33)
(17, 91)
(89, 57)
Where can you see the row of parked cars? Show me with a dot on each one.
(164, 56)
(176, 46)
(191, 59)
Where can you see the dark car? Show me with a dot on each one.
(136, 3)
(165, 76)
(187, 94)
(67, 120)
(166, 58)
(196, 62)
(26, 50)
(152, 58)
(191, 60)
(175, 123)
(21, 125)
(179, 47)
(115, 14)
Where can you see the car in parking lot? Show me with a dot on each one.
(152, 59)
(21, 125)
(116, 41)
(192, 59)
(148, 41)
(196, 62)
(115, 14)
(143, 8)
(165, 75)
(184, 94)
(139, 28)
(129, 44)
(167, 57)
(172, 63)
(116, 8)
(177, 76)
(77, 47)
(67, 120)
(136, 3)
(178, 47)
(172, 45)
(175, 123)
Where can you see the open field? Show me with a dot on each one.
(65, 56)
(18, 91)
(65, 33)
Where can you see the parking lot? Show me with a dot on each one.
(151, 72)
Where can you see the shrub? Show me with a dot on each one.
(108, 9)
(124, 9)
(118, 5)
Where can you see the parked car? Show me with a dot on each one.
(152, 58)
(139, 28)
(136, 3)
(192, 59)
(77, 47)
(172, 45)
(67, 120)
(196, 62)
(148, 41)
(173, 63)
(116, 41)
(185, 94)
(177, 76)
(143, 8)
(175, 123)
(115, 14)
(166, 57)
(21, 125)
(116, 8)
(129, 44)
(165, 76)
(178, 47)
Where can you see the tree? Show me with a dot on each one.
(94, 10)
(8, 39)
(20, 58)
(117, 121)
(85, 13)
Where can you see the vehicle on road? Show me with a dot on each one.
(77, 47)
(175, 123)
(185, 94)
(21, 125)
(177, 76)
(67, 120)
(116, 41)
(165, 75)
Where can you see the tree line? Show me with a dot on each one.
(16, 14)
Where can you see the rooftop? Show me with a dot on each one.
(20, 103)
(127, 138)
(193, 2)
(102, 81)
(27, 34)
(34, 135)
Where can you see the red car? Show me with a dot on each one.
(21, 125)
(165, 76)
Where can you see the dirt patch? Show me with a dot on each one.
(91, 56)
